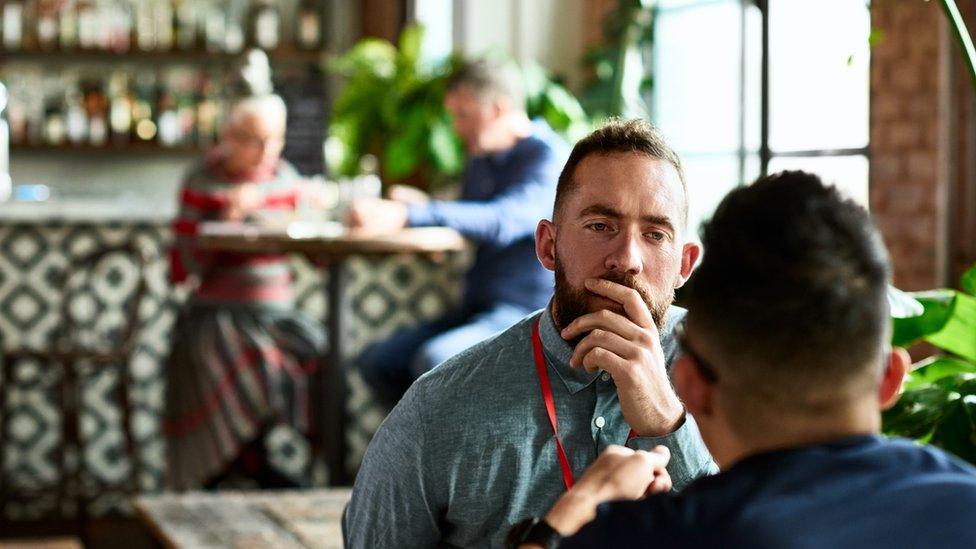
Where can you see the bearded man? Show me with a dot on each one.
(499, 431)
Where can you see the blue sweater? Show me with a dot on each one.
(503, 197)
(855, 492)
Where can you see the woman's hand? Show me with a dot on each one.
(242, 200)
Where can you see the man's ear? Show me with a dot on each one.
(690, 253)
(894, 376)
(545, 244)
(694, 390)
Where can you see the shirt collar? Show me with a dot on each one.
(558, 352)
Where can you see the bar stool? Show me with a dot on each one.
(81, 344)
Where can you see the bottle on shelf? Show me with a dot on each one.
(68, 26)
(162, 17)
(47, 26)
(143, 108)
(308, 31)
(265, 25)
(186, 24)
(120, 107)
(75, 117)
(13, 25)
(96, 109)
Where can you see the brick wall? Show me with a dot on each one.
(921, 144)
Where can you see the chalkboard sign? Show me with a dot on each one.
(304, 91)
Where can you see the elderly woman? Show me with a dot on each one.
(241, 353)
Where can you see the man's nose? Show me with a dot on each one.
(626, 255)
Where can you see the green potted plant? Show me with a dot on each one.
(938, 405)
(392, 106)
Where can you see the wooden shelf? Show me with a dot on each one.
(136, 148)
(281, 55)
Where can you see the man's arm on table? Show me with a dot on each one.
(505, 218)
(394, 502)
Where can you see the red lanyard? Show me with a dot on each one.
(543, 373)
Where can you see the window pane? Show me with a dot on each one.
(847, 173)
(818, 79)
(709, 179)
(697, 75)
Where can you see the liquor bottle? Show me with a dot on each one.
(145, 26)
(162, 16)
(96, 108)
(215, 23)
(143, 108)
(234, 36)
(117, 21)
(13, 25)
(186, 25)
(309, 25)
(68, 27)
(207, 110)
(119, 108)
(54, 126)
(87, 25)
(76, 119)
(47, 26)
(168, 121)
(265, 25)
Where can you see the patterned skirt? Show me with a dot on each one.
(233, 371)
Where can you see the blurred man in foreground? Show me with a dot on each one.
(786, 368)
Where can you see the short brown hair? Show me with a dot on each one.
(490, 78)
(620, 136)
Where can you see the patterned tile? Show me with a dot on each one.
(382, 294)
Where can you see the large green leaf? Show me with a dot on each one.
(445, 147)
(937, 305)
(956, 432)
(917, 412)
(958, 335)
(369, 57)
(969, 281)
(936, 368)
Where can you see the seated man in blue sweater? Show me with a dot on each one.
(509, 185)
(786, 368)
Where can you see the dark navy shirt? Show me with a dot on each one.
(503, 197)
(856, 492)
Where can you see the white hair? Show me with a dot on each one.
(267, 105)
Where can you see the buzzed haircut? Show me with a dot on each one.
(620, 136)
(489, 79)
(790, 296)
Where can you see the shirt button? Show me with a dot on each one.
(605, 376)
(600, 422)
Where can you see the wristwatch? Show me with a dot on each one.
(533, 530)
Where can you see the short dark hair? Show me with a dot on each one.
(620, 136)
(489, 78)
(790, 297)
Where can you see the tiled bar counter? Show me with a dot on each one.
(39, 241)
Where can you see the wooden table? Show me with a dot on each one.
(333, 244)
(292, 519)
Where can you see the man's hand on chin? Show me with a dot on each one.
(629, 349)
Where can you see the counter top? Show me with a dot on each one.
(89, 210)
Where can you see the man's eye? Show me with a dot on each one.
(656, 235)
(599, 227)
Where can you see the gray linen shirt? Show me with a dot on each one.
(469, 451)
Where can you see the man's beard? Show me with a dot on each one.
(570, 303)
